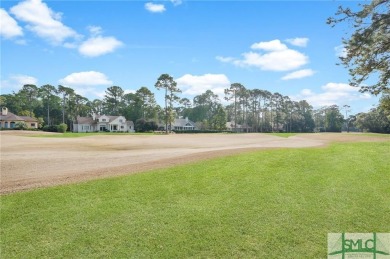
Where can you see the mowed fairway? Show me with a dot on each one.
(278, 203)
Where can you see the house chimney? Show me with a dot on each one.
(186, 119)
(4, 111)
(94, 116)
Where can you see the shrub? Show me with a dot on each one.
(142, 125)
(62, 128)
(21, 125)
(50, 128)
(201, 131)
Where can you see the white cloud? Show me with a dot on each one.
(43, 21)
(47, 24)
(341, 51)
(339, 87)
(95, 30)
(87, 78)
(16, 82)
(299, 74)
(307, 92)
(273, 45)
(274, 61)
(155, 8)
(300, 42)
(9, 28)
(333, 93)
(99, 45)
(225, 59)
(87, 83)
(277, 57)
(195, 85)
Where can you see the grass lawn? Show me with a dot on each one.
(266, 204)
(382, 135)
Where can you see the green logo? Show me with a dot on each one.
(359, 245)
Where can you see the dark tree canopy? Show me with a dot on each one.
(368, 48)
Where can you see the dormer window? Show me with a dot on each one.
(103, 119)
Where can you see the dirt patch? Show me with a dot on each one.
(28, 162)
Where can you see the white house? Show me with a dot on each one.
(238, 127)
(182, 124)
(102, 123)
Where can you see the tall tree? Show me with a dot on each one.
(374, 120)
(232, 93)
(384, 102)
(147, 101)
(132, 110)
(165, 81)
(368, 48)
(97, 106)
(66, 93)
(31, 92)
(47, 92)
(113, 99)
(346, 109)
(333, 119)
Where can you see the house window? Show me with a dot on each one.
(120, 120)
(122, 127)
(103, 119)
(12, 124)
(32, 124)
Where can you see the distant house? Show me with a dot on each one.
(182, 124)
(238, 127)
(8, 120)
(102, 123)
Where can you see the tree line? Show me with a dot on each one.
(250, 110)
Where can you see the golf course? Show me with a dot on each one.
(241, 196)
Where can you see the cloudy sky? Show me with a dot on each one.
(280, 46)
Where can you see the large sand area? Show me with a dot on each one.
(31, 162)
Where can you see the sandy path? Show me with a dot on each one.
(28, 162)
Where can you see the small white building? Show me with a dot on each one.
(182, 124)
(230, 126)
(102, 123)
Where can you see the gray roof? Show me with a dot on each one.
(110, 117)
(28, 118)
(85, 120)
(13, 117)
(183, 122)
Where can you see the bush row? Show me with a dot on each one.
(56, 128)
(201, 131)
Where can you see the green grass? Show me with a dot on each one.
(283, 135)
(382, 135)
(268, 204)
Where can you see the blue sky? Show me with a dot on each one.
(280, 46)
